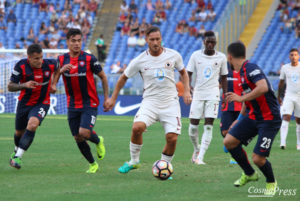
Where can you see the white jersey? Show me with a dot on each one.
(208, 70)
(157, 73)
(291, 75)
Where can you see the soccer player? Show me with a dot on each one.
(290, 73)
(31, 76)
(230, 111)
(263, 119)
(160, 101)
(209, 66)
(78, 69)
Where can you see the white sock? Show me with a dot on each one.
(20, 152)
(283, 132)
(135, 150)
(166, 158)
(205, 141)
(298, 133)
(16, 148)
(194, 136)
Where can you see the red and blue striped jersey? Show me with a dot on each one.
(233, 85)
(79, 81)
(23, 72)
(265, 107)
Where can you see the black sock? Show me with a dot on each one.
(17, 140)
(26, 139)
(268, 171)
(94, 138)
(241, 158)
(86, 151)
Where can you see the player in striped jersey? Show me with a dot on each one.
(31, 76)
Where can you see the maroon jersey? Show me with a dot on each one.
(23, 72)
(79, 81)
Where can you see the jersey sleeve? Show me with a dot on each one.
(224, 68)
(254, 74)
(16, 75)
(132, 69)
(191, 65)
(179, 62)
(282, 74)
(95, 65)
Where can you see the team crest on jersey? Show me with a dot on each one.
(242, 79)
(216, 64)
(207, 72)
(168, 65)
(47, 73)
(159, 74)
(295, 77)
(81, 63)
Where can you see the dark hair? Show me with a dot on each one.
(73, 32)
(294, 50)
(152, 29)
(237, 49)
(209, 34)
(34, 48)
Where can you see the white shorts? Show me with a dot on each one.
(204, 109)
(290, 105)
(169, 115)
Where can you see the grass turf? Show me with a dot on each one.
(53, 168)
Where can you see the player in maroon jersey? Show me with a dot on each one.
(78, 68)
(31, 76)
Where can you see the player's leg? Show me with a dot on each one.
(266, 134)
(287, 111)
(240, 134)
(297, 118)
(74, 119)
(196, 112)
(210, 113)
(169, 149)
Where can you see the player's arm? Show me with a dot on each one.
(187, 98)
(120, 84)
(55, 78)
(260, 89)
(104, 81)
(17, 87)
(224, 83)
(280, 90)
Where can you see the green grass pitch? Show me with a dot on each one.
(53, 168)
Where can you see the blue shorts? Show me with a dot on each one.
(246, 129)
(227, 118)
(24, 113)
(82, 119)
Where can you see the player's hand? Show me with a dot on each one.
(110, 103)
(224, 103)
(65, 68)
(52, 89)
(106, 106)
(187, 98)
(31, 84)
(230, 97)
(280, 101)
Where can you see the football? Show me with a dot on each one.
(162, 169)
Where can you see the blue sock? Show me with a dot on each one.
(240, 156)
(85, 151)
(26, 139)
(268, 171)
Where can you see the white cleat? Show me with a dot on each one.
(199, 162)
(195, 155)
(298, 147)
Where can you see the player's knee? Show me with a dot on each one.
(258, 160)
(228, 143)
(171, 138)
(33, 123)
(78, 138)
(286, 117)
(84, 133)
(224, 133)
(297, 120)
(137, 129)
(19, 133)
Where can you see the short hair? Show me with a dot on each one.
(294, 50)
(73, 32)
(209, 34)
(237, 49)
(34, 48)
(152, 29)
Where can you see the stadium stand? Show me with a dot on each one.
(42, 18)
(168, 18)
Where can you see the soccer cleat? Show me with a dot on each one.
(298, 147)
(271, 188)
(15, 162)
(125, 168)
(282, 147)
(93, 168)
(245, 179)
(199, 162)
(170, 178)
(12, 155)
(232, 161)
(100, 148)
(195, 155)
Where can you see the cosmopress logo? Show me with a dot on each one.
(260, 192)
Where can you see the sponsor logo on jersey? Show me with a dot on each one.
(207, 72)
(159, 74)
(232, 79)
(47, 73)
(81, 63)
(295, 77)
(97, 63)
(125, 109)
(38, 76)
(255, 72)
(16, 72)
